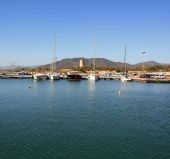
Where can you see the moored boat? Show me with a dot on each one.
(54, 76)
(93, 77)
(39, 76)
(125, 78)
(74, 77)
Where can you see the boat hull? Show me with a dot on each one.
(74, 77)
(40, 77)
(93, 77)
(54, 76)
(126, 79)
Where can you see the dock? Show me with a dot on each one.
(151, 80)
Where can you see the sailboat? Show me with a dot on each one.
(93, 76)
(124, 76)
(53, 75)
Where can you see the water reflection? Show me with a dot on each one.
(72, 86)
(91, 86)
(53, 87)
(126, 86)
(91, 90)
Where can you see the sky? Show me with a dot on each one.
(28, 28)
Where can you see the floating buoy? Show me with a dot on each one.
(120, 92)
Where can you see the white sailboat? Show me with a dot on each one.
(93, 76)
(125, 77)
(53, 75)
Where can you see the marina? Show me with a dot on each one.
(84, 79)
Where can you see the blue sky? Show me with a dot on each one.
(28, 27)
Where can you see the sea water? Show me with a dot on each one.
(84, 120)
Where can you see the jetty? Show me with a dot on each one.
(151, 80)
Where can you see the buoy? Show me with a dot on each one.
(120, 92)
(29, 87)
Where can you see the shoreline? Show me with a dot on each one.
(134, 79)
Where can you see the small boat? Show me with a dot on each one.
(39, 76)
(54, 76)
(74, 77)
(23, 75)
(93, 76)
(125, 78)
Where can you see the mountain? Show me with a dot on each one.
(148, 63)
(100, 62)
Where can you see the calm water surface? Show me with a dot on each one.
(84, 120)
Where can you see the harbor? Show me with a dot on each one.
(84, 79)
(102, 75)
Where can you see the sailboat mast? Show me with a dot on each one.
(125, 60)
(53, 62)
(94, 51)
